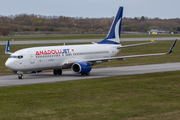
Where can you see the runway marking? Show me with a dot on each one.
(5, 80)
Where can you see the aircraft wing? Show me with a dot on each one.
(123, 57)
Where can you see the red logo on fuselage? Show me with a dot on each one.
(48, 52)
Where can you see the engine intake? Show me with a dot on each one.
(81, 67)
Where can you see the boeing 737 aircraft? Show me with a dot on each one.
(80, 58)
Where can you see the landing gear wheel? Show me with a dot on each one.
(55, 72)
(87, 73)
(20, 76)
(59, 72)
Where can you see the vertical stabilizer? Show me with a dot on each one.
(113, 36)
(7, 50)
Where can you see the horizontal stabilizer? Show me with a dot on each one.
(136, 44)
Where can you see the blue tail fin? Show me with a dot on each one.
(113, 36)
(7, 51)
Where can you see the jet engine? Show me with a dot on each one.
(81, 67)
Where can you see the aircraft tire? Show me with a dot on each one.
(87, 73)
(20, 76)
(59, 72)
(55, 72)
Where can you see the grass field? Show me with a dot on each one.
(80, 36)
(138, 97)
(160, 46)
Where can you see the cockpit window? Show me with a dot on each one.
(13, 57)
(19, 56)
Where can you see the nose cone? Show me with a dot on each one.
(9, 64)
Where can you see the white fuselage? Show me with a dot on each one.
(55, 57)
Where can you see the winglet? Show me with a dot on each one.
(7, 51)
(170, 51)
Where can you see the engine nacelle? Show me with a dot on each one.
(81, 67)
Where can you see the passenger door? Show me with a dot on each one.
(32, 60)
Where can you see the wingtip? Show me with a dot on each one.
(171, 50)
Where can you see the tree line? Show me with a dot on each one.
(25, 22)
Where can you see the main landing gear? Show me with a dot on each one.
(57, 72)
(85, 74)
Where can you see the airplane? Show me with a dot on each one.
(78, 58)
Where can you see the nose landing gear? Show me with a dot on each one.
(20, 76)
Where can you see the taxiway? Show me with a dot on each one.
(48, 77)
(81, 41)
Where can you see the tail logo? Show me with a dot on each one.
(113, 36)
(117, 38)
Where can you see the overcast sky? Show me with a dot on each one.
(163, 9)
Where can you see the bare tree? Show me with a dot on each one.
(4, 31)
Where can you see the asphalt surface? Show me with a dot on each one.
(48, 77)
(81, 41)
